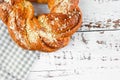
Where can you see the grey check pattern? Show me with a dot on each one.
(15, 63)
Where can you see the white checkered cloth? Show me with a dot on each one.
(15, 63)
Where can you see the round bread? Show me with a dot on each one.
(47, 32)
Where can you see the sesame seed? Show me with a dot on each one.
(75, 10)
(61, 29)
(65, 19)
(56, 19)
(42, 20)
(70, 17)
(69, 30)
(69, 13)
(52, 22)
(53, 35)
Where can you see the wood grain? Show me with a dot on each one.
(94, 50)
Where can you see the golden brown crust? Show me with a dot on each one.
(48, 32)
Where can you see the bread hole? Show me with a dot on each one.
(40, 9)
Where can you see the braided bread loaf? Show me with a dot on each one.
(47, 32)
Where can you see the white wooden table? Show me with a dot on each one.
(94, 50)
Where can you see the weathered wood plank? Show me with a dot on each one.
(88, 52)
(100, 14)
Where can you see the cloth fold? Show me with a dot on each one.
(15, 63)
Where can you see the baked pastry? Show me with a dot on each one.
(47, 32)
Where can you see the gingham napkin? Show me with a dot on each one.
(15, 63)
